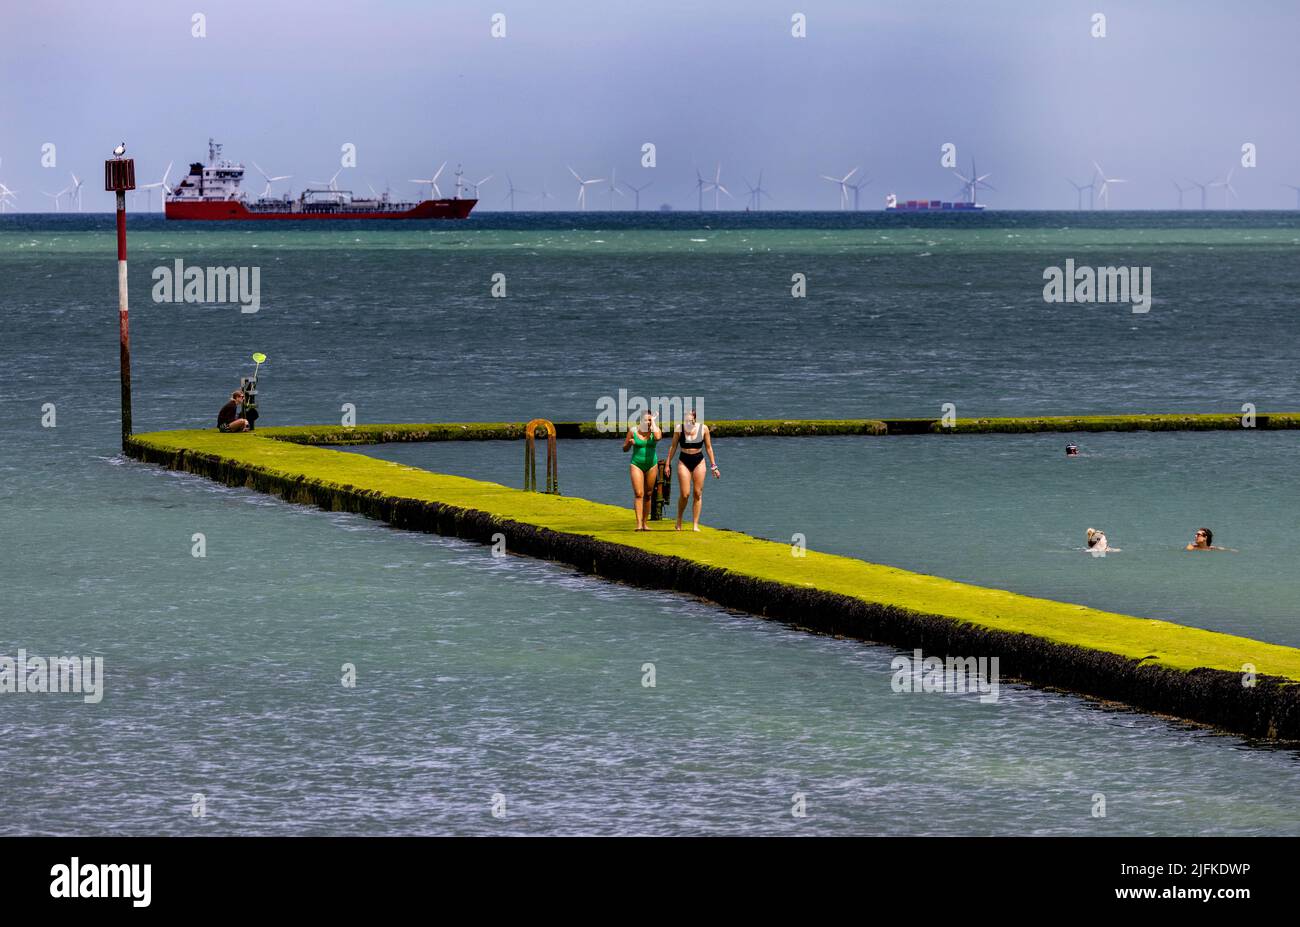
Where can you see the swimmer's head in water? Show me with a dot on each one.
(1093, 536)
(1204, 534)
(1071, 450)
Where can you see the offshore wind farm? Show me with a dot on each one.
(709, 191)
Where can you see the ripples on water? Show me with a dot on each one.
(478, 676)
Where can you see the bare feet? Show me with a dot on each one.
(696, 528)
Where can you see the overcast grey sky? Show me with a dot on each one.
(1172, 91)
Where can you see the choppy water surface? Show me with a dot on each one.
(478, 676)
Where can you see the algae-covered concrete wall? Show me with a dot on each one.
(508, 431)
(1157, 666)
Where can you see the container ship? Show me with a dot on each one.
(211, 192)
(894, 204)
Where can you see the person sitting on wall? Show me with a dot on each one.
(228, 418)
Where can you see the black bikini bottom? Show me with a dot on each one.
(691, 461)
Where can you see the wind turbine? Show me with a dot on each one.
(1079, 188)
(716, 186)
(269, 179)
(1181, 190)
(332, 184)
(1291, 185)
(1105, 185)
(434, 191)
(1204, 187)
(972, 184)
(844, 186)
(756, 192)
(613, 187)
(582, 187)
(163, 183)
(544, 195)
(56, 197)
(479, 184)
(636, 192)
(760, 191)
(857, 189)
(6, 195)
(74, 191)
(511, 191)
(1229, 191)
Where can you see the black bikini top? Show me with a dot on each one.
(693, 445)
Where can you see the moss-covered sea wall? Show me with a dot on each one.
(508, 431)
(1154, 665)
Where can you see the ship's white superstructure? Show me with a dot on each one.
(214, 182)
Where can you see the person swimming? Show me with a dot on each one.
(1072, 450)
(644, 466)
(1097, 543)
(1204, 540)
(694, 439)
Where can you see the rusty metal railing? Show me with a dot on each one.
(530, 457)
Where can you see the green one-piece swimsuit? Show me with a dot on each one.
(644, 453)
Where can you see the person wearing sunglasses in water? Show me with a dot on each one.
(1204, 540)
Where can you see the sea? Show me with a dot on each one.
(275, 669)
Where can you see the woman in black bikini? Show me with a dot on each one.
(695, 440)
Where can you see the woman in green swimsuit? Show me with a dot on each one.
(644, 468)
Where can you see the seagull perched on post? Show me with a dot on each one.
(120, 150)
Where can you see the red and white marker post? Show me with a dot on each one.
(119, 176)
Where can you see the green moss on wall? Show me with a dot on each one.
(1158, 422)
(1150, 663)
(1171, 644)
(513, 431)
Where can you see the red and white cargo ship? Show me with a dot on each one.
(211, 192)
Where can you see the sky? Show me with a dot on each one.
(1172, 92)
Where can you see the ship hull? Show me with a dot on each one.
(935, 206)
(236, 210)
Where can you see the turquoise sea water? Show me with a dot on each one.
(478, 676)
